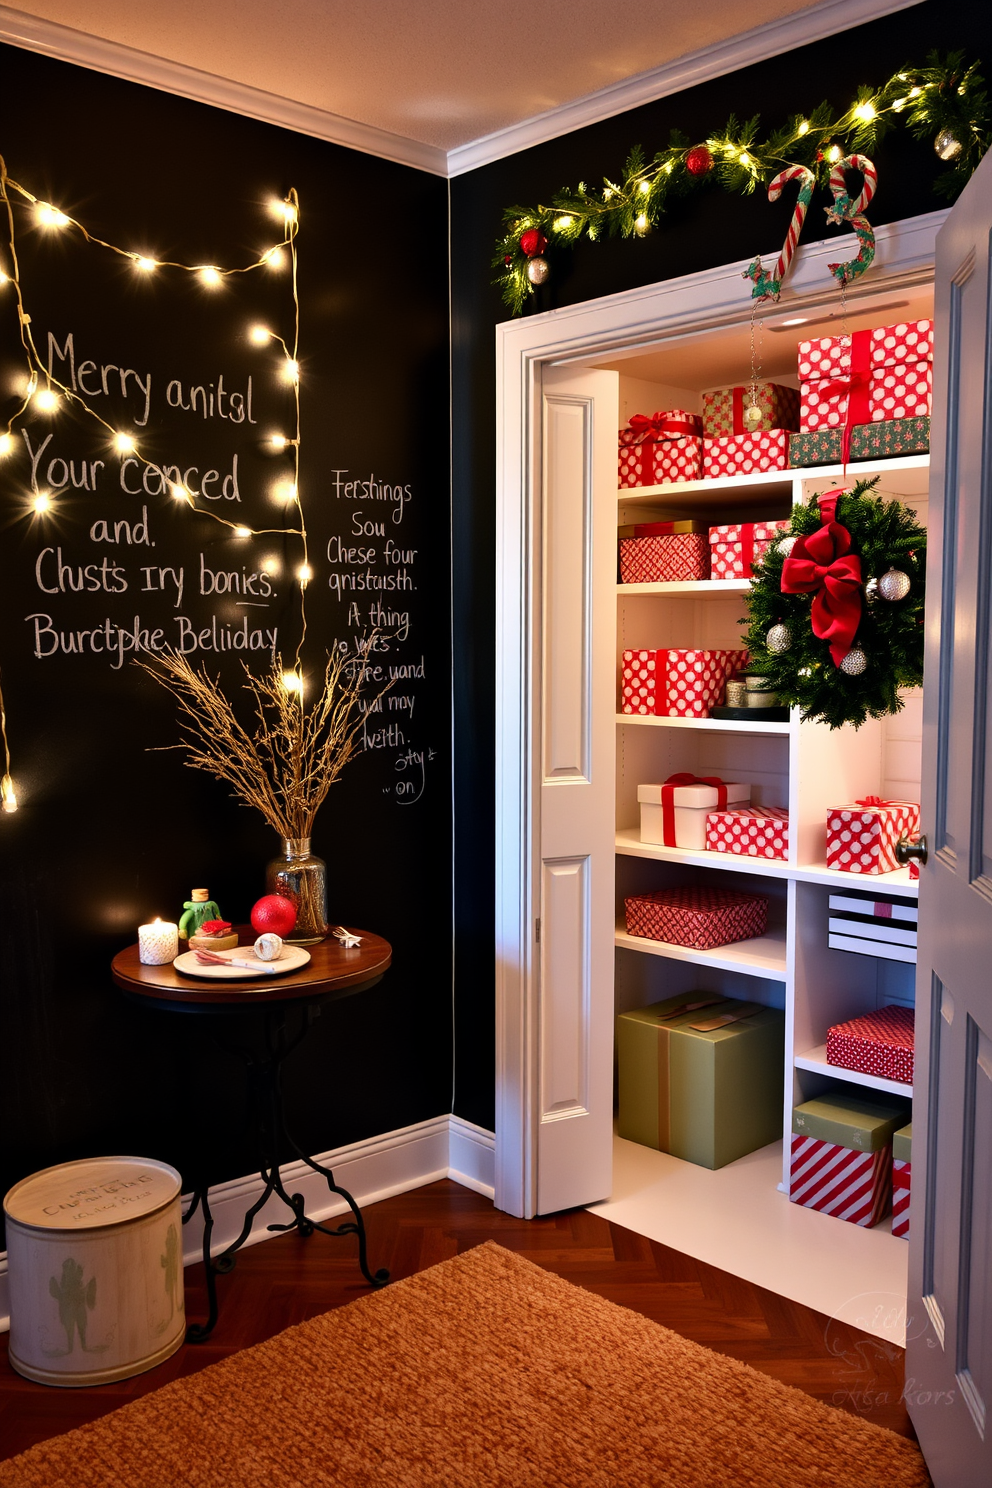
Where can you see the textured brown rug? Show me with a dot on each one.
(482, 1371)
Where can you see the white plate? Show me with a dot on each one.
(290, 959)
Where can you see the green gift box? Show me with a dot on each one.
(878, 441)
(862, 1124)
(902, 1144)
(701, 1077)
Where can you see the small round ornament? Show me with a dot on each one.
(855, 662)
(698, 161)
(948, 147)
(779, 639)
(752, 418)
(537, 270)
(785, 545)
(894, 585)
(272, 914)
(533, 242)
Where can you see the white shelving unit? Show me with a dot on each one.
(802, 766)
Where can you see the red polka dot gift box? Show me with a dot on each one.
(882, 373)
(879, 1043)
(736, 547)
(676, 684)
(862, 838)
(746, 454)
(749, 831)
(698, 918)
(661, 448)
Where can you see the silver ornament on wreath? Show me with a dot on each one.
(537, 270)
(947, 145)
(779, 639)
(785, 545)
(855, 662)
(894, 585)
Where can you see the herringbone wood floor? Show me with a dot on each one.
(287, 1280)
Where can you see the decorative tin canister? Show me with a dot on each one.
(96, 1270)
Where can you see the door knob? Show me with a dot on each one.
(906, 850)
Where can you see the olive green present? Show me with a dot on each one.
(701, 1077)
(879, 441)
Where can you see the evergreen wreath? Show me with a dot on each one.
(884, 535)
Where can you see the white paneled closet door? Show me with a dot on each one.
(574, 779)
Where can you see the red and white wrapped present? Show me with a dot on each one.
(676, 684)
(661, 448)
(749, 831)
(882, 373)
(746, 454)
(862, 838)
(665, 559)
(851, 1185)
(879, 1043)
(902, 1180)
(674, 814)
(724, 408)
(697, 917)
(736, 546)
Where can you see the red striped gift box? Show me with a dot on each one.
(856, 1186)
(901, 1177)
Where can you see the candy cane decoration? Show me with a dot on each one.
(769, 286)
(846, 210)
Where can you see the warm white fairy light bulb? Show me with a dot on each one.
(210, 276)
(865, 112)
(145, 264)
(293, 682)
(744, 158)
(833, 154)
(6, 444)
(124, 444)
(242, 532)
(4, 278)
(8, 797)
(260, 335)
(270, 566)
(278, 442)
(562, 224)
(49, 216)
(178, 492)
(803, 127)
(275, 258)
(304, 573)
(284, 490)
(291, 370)
(46, 400)
(42, 502)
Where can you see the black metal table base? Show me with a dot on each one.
(265, 1095)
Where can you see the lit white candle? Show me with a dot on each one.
(158, 944)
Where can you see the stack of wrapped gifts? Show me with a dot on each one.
(746, 430)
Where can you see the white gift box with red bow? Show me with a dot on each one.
(674, 813)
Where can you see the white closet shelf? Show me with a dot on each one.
(774, 481)
(816, 1060)
(697, 588)
(630, 845)
(713, 725)
(764, 956)
(897, 882)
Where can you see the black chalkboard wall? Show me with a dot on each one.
(108, 833)
(708, 229)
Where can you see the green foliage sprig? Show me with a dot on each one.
(885, 534)
(943, 95)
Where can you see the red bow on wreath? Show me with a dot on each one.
(824, 566)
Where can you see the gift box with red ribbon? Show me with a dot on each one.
(750, 831)
(735, 547)
(696, 917)
(664, 557)
(676, 684)
(882, 373)
(878, 1043)
(724, 409)
(746, 454)
(661, 448)
(674, 814)
(862, 838)
(902, 1180)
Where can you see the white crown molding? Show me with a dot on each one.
(85, 50)
(769, 40)
(376, 1169)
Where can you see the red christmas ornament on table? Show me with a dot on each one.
(273, 913)
(698, 161)
(533, 242)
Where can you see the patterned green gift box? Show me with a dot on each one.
(701, 1077)
(877, 441)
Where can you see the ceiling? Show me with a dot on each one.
(440, 73)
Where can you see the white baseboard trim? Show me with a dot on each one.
(376, 1169)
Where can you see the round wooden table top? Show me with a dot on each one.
(332, 971)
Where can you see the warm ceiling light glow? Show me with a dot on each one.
(285, 490)
(6, 444)
(797, 320)
(124, 444)
(42, 502)
(8, 800)
(145, 264)
(210, 276)
(291, 370)
(46, 400)
(260, 335)
(49, 216)
(242, 532)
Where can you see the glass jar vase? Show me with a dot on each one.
(302, 878)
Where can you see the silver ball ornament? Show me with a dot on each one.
(537, 270)
(785, 545)
(947, 146)
(752, 418)
(871, 590)
(855, 662)
(779, 639)
(894, 585)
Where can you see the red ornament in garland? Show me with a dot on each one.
(698, 161)
(533, 242)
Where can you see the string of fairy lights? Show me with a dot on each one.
(42, 392)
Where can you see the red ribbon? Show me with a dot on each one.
(858, 388)
(663, 426)
(668, 800)
(747, 548)
(824, 566)
(738, 406)
(875, 801)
